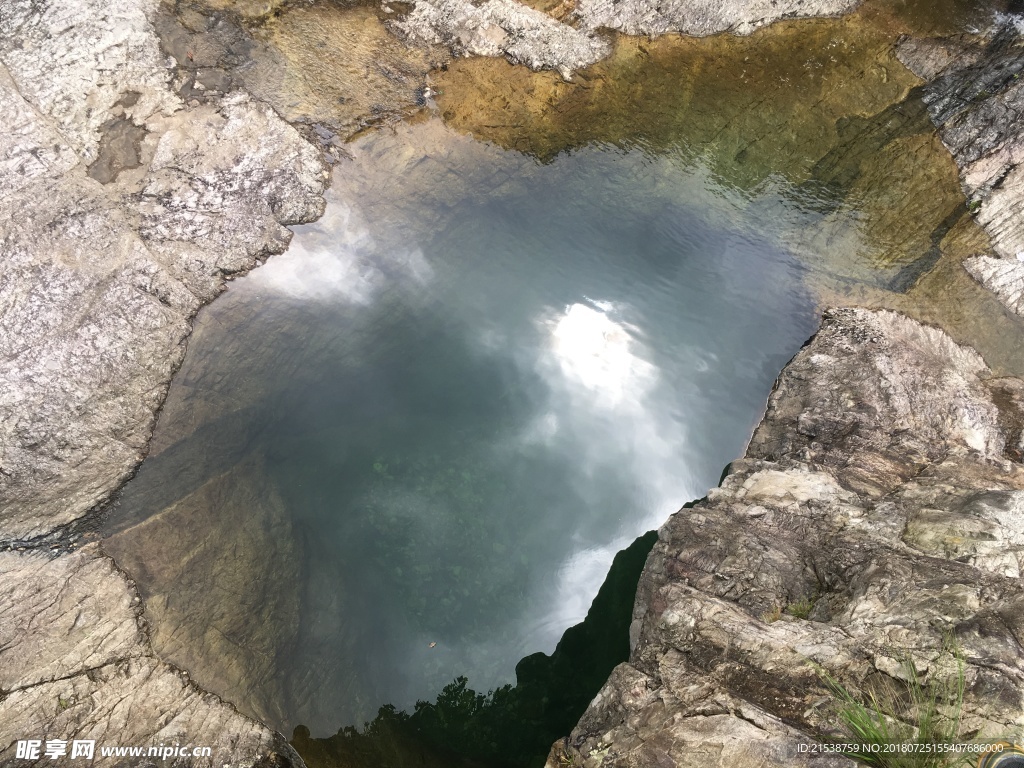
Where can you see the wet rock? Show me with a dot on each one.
(334, 64)
(1004, 277)
(76, 665)
(976, 100)
(225, 607)
(876, 513)
(118, 150)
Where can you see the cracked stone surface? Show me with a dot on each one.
(123, 211)
(527, 36)
(503, 28)
(883, 495)
(79, 666)
(867, 494)
(701, 17)
(100, 281)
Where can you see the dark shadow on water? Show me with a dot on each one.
(511, 726)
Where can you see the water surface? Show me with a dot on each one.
(470, 384)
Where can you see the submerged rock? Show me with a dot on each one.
(75, 664)
(975, 98)
(877, 512)
(226, 606)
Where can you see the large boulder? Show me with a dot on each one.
(878, 513)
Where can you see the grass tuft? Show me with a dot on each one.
(913, 725)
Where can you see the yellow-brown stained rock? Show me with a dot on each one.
(339, 66)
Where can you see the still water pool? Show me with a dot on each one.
(468, 386)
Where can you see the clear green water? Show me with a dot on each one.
(474, 381)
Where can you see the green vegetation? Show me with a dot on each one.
(801, 609)
(513, 726)
(770, 617)
(909, 725)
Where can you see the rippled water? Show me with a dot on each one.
(480, 377)
(408, 449)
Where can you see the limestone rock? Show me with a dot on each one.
(99, 281)
(123, 211)
(1004, 277)
(877, 511)
(976, 101)
(503, 28)
(701, 17)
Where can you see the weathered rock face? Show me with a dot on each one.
(877, 511)
(123, 211)
(100, 280)
(541, 39)
(975, 98)
(503, 28)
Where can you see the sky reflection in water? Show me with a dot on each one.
(507, 372)
(570, 362)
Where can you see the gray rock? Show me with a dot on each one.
(75, 664)
(122, 213)
(527, 36)
(100, 280)
(878, 510)
(503, 28)
(976, 100)
(1004, 277)
(701, 17)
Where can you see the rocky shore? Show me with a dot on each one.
(879, 509)
(878, 512)
(124, 211)
(884, 489)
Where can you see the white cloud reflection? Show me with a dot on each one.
(600, 354)
(608, 410)
(338, 258)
